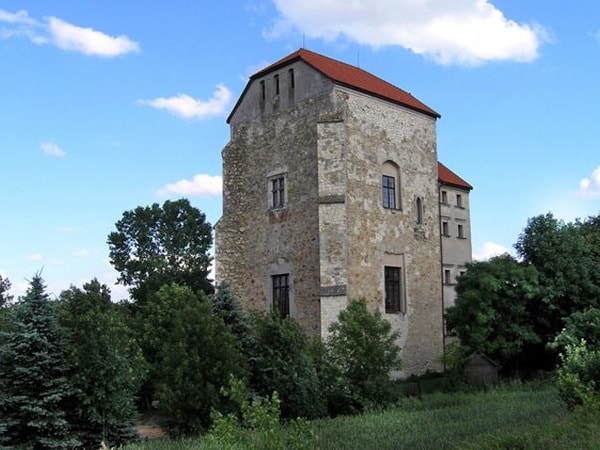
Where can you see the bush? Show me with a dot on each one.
(356, 364)
(279, 362)
(578, 376)
(258, 425)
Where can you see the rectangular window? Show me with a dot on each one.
(459, 202)
(445, 231)
(447, 276)
(393, 289)
(291, 78)
(278, 192)
(461, 231)
(444, 197)
(281, 294)
(389, 192)
(276, 84)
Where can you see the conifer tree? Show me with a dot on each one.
(229, 308)
(34, 387)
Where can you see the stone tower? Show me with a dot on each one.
(330, 193)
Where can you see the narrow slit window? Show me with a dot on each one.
(276, 84)
(419, 210)
(263, 90)
(291, 78)
(278, 192)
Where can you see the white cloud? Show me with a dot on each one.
(64, 35)
(36, 257)
(20, 17)
(489, 250)
(50, 148)
(88, 41)
(200, 185)
(466, 32)
(589, 187)
(183, 105)
(82, 252)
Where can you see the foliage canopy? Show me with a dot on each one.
(154, 246)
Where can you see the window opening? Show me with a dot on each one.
(263, 90)
(419, 212)
(389, 192)
(281, 294)
(393, 289)
(444, 197)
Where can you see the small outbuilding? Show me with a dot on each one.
(479, 370)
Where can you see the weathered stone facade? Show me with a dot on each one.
(329, 144)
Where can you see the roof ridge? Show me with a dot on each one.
(353, 77)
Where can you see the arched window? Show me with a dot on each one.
(390, 186)
(419, 210)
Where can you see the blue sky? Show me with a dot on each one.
(106, 106)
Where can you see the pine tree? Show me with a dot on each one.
(34, 387)
(229, 308)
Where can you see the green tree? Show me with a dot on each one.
(279, 362)
(580, 325)
(107, 364)
(154, 246)
(5, 301)
(5, 297)
(197, 354)
(34, 384)
(362, 346)
(494, 308)
(229, 308)
(567, 257)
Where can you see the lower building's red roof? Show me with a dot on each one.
(446, 176)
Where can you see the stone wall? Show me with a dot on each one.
(334, 237)
(252, 241)
(376, 132)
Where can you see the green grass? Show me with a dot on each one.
(516, 416)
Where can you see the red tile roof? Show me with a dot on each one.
(446, 176)
(352, 77)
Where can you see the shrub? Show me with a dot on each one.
(361, 351)
(578, 376)
(279, 362)
(258, 425)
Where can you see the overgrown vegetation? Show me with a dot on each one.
(72, 368)
(517, 416)
(512, 310)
